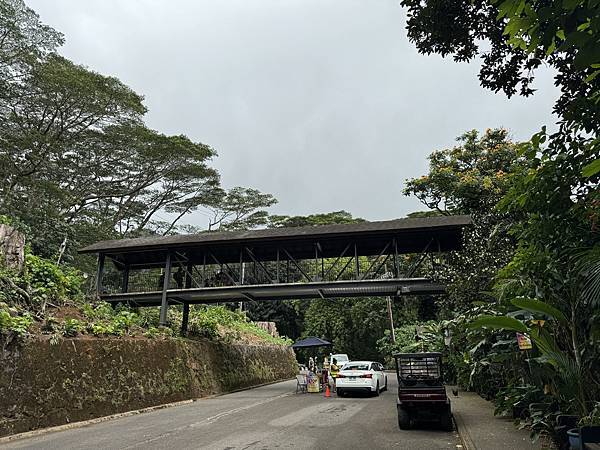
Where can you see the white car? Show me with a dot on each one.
(341, 359)
(365, 376)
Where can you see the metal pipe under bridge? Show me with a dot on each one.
(387, 258)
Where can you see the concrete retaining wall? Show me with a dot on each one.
(45, 385)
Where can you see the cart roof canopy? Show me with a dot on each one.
(311, 342)
(418, 355)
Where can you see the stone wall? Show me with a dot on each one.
(269, 327)
(43, 385)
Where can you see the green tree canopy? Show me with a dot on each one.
(77, 162)
(470, 178)
(313, 219)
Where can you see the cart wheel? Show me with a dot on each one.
(446, 421)
(403, 419)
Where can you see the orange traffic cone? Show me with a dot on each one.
(327, 393)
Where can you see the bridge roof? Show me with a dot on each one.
(429, 224)
(412, 234)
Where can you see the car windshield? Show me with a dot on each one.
(340, 358)
(356, 367)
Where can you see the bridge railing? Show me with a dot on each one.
(194, 276)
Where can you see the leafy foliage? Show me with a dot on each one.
(554, 204)
(335, 217)
(77, 162)
(240, 208)
(471, 178)
(41, 282)
(11, 322)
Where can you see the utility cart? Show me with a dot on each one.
(421, 390)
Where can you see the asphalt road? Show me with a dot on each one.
(270, 417)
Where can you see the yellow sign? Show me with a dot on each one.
(524, 342)
(312, 381)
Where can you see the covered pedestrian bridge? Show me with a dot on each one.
(388, 258)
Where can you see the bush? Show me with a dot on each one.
(154, 332)
(218, 322)
(71, 327)
(49, 282)
(18, 324)
(406, 341)
(206, 321)
(593, 418)
(105, 320)
(515, 400)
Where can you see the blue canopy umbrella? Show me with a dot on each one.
(311, 342)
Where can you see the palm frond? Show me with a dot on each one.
(588, 265)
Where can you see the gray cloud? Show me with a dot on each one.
(324, 104)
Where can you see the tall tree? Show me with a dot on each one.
(338, 217)
(556, 264)
(24, 40)
(240, 208)
(471, 178)
(78, 164)
(515, 37)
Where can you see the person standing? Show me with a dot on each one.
(334, 369)
(325, 372)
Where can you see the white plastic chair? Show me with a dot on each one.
(301, 384)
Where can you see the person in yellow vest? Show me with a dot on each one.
(334, 369)
(325, 373)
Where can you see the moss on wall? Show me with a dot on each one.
(44, 385)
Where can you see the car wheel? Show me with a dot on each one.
(403, 419)
(446, 421)
(340, 392)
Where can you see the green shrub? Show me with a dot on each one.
(124, 320)
(71, 327)
(154, 332)
(18, 324)
(49, 282)
(103, 319)
(98, 311)
(513, 399)
(102, 328)
(593, 418)
(218, 322)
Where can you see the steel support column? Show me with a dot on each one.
(357, 263)
(164, 305)
(125, 284)
(277, 276)
(100, 273)
(186, 305)
(396, 265)
(185, 318)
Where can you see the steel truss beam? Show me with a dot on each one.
(283, 291)
(324, 284)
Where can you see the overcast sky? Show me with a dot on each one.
(322, 103)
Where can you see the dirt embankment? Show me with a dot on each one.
(44, 385)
